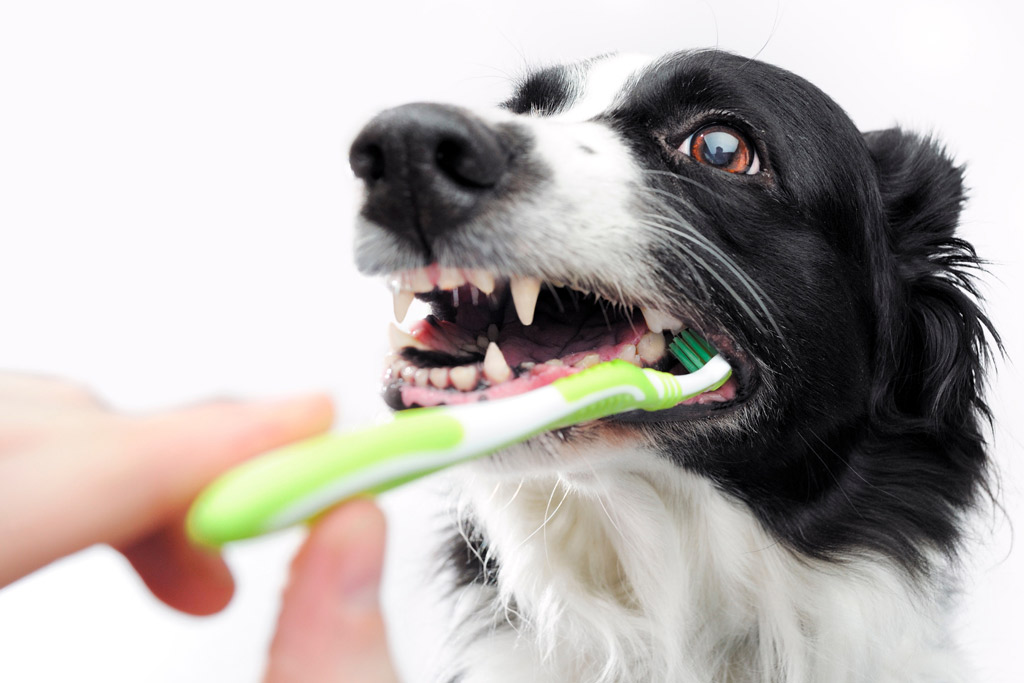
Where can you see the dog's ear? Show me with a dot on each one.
(932, 338)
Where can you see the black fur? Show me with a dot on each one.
(868, 433)
(548, 91)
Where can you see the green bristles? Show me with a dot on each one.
(692, 350)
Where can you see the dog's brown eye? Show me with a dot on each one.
(723, 148)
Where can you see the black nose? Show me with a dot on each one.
(428, 168)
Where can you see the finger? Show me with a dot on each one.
(190, 579)
(17, 389)
(331, 627)
(119, 479)
(173, 456)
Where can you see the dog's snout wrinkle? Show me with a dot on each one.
(427, 168)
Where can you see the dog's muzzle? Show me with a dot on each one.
(428, 168)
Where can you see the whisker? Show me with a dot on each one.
(514, 495)
(711, 271)
(547, 517)
(685, 230)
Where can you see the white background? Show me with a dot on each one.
(175, 207)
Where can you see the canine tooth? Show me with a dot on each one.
(495, 367)
(439, 377)
(492, 334)
(464, 377)
(628, 353)
(659, 321)
(587, 361)
(651, 347)
(450, 278)
(480, 279)
(525, 291)
(403, 299)
(400, 339)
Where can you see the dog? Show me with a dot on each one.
(804, 522)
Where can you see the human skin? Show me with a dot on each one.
(74, 473)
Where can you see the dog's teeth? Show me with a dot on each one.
(408, 373)
(421, 377)
(400, 339)
(554, 362)
(659, 321)
(480, 279)
(482, 342)
(525, 291)
(464, 377)
(403, 299)
(651, 347)
(439, 377)
(450, 278)
(495, 367)
(492, 334)
(628, 354)
(587, 361)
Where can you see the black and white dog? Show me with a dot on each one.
(801, 523)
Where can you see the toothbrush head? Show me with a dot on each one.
(692, 350)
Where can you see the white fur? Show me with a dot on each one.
(631, 570)
(603, 81)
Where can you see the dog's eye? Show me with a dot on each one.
(723, 148)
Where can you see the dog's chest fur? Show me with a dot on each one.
(644, 575)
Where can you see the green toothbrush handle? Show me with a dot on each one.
(297, 482)
(294, 483)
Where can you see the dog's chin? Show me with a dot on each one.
(490, 337)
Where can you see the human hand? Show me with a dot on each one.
(73, 474)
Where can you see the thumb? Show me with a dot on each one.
(331, 628)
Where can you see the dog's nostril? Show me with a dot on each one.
(367, 162)
(460, 164)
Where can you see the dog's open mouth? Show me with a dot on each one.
(489, 337)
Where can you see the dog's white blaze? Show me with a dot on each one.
(582, 220)
(604, 82)
(631, 570)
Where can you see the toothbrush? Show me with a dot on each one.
(300, 481)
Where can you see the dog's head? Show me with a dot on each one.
(612, 202)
